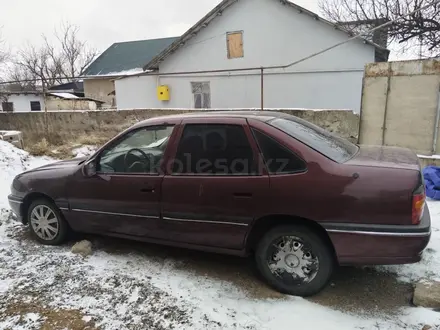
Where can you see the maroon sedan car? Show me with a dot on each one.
(298, 198)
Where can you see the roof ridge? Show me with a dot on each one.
(143, 40)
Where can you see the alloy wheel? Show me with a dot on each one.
(292, 261)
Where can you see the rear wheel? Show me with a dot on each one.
(46, 222)
(294, 260)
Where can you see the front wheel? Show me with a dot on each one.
(294, 260)
(46, 223)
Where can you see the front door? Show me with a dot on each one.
(124, 196)
(214, 191)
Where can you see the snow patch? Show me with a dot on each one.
(84, 151)
(68, 96)
(429, 157)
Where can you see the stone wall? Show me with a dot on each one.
(64, 126)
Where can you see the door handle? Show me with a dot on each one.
(243, 195)
(147, 190)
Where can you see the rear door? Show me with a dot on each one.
(214, 190)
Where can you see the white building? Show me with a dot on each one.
(252, 34)
(21, 101)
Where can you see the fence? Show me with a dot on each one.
(400, 105)
(63, 126)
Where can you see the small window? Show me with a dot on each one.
(213, 149)
(139, 151)
(35, 106)
(202, 94)
(235, 44)
(8, 106)
(278, 159)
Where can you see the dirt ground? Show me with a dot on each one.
(353, 290)
(359, 290)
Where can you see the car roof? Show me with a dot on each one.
(254, 114)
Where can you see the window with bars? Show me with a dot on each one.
(8, 106)
(202, 94)
(35, 106)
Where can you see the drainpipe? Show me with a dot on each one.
(262, 89)
(437, 119)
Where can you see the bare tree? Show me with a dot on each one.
(54, 62)
(3, 50)
(4, 54)
(422, 27)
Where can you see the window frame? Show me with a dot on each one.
(8, 103)
(219, 121)
(202, 94)
(112, 143)
(39, 103)
(228, 49)
(281, 145)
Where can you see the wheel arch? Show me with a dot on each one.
(265, 223)
(27, 201)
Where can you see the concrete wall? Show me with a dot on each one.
(99, 89)
(273, 34)
(22, 102)
(54, 103)
(65, 126)
(399, 105)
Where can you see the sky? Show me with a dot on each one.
(103, 22)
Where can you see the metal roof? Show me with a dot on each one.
(127, 57)
(218, 10)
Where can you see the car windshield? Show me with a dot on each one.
(331, 146)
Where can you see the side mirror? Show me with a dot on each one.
(89, 168)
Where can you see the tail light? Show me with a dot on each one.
(418, 202)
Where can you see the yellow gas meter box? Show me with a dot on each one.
(163, 93)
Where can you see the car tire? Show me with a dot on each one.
(46, 223)
(294, 260)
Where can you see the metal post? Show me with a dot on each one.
(437, 119)
(387, 97)
(262, 89)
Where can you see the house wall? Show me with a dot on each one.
(54, 103)
(99, 89)
(273, 34)
(399, 105)
(22, 102)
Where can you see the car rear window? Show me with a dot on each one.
(326, 143)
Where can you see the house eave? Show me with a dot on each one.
(218, 10)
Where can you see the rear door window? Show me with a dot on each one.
(214, 149)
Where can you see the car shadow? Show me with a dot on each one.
(355, 290)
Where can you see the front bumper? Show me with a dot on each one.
(16, 206)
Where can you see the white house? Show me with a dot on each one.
(241, 34)
(21, 101)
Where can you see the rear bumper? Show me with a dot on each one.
(15, 203)
(380, 244)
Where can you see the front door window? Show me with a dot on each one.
(139, 151)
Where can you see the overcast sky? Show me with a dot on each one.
(103, 22)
